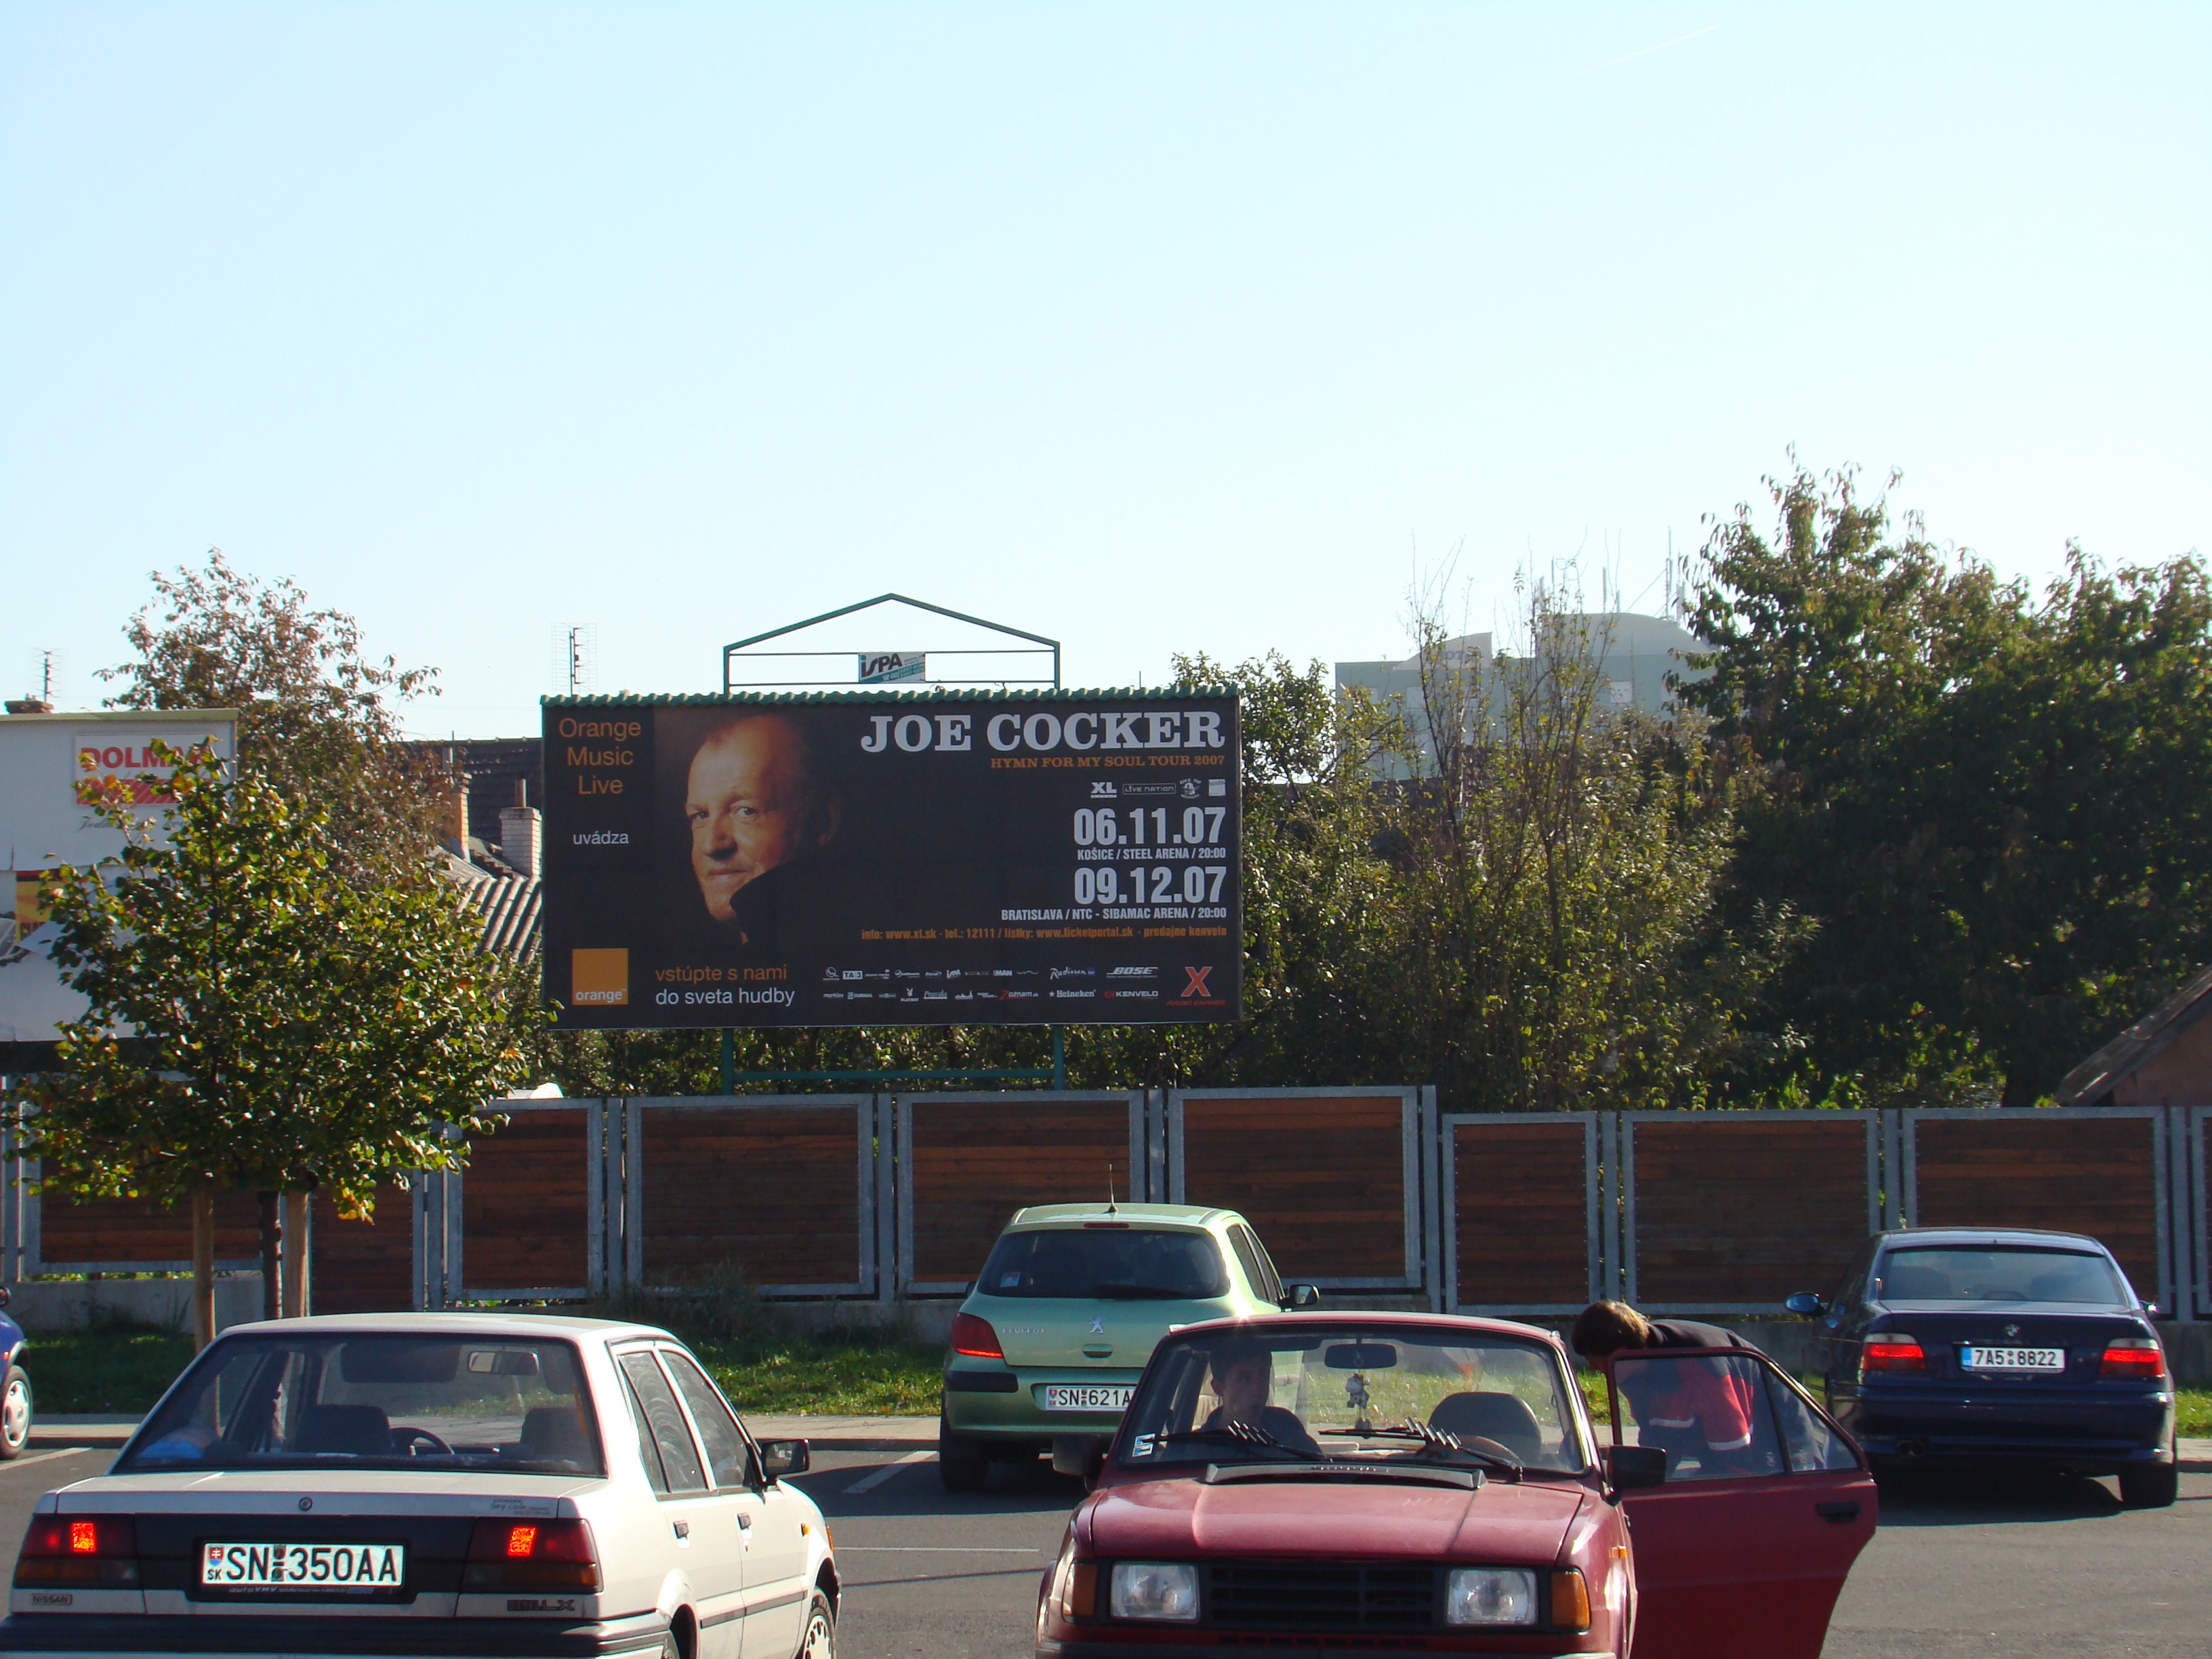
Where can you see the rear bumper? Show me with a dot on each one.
(2085, 1429)
(207, 1636)
(1016, 1415)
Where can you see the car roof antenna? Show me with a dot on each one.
(1110, 1210)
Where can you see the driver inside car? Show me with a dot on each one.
(1243, 1374)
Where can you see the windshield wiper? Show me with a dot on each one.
(1243, 1434)
(1435, 1440)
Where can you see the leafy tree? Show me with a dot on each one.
(1993, 810)
(290, 1030)
(317, 716)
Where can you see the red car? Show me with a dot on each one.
(1365, 1483)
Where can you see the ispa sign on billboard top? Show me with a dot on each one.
(887, 859)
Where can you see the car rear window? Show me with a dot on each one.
(1133, 1264)
(1988, 1275)
(377, 1400)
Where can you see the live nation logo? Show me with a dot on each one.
(1196, 991)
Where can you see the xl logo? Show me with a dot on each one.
(1103, 790)
(1193, 981)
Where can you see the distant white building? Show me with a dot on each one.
(1634, 656)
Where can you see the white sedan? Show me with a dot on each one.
(434, 1484)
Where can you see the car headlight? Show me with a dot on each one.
(1153, 1590)
(1491, 1595)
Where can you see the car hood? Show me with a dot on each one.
(1185, 1517)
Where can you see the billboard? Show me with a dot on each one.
(52, 767)
(892, 859)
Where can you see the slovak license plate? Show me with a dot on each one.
(339, 1568)
(2012, 1359)
(1086, 1397)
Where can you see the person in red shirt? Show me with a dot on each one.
(1697, 1409)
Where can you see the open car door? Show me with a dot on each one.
(1744, 1549)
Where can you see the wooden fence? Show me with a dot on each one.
(875, 1197)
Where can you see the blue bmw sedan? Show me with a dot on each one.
(2005, 1345)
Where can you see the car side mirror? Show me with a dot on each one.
(6, 1295)
(1631, 1468)
(1301, 1296)
(781, 1459)
(1807, 1304)
(1080, 1456)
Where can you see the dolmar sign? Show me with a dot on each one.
(884, 859)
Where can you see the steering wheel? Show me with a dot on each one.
(408, 1439)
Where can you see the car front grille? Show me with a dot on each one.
(1317, 1596)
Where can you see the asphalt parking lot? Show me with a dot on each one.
(2030, 1568)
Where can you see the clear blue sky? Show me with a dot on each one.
(1156, 327)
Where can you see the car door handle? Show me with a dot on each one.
(1846, 1509)
(682, 1529)
(745, 1521)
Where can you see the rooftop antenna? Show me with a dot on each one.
(47, 676)
(1110, 1210)
(583, 658)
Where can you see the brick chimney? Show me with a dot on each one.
(456, 816)
(521, 832)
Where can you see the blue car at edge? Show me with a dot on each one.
(1999, 1344)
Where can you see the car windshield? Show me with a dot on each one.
(377, 1399)
(1951, 1274)
(1109, 1260)
(1390, 1393)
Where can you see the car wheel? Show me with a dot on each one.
(962, 1465)
(2150, 1486)
(15, 1414)
(820, 1641)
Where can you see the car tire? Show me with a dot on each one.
(2150, 1486)
(962, 1465)
(15, 1414)
(817, 1639)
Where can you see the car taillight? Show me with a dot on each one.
(1891, 1351)
(79, 1549)
(2135, 1359)
(512, 1555)
(974, 1337)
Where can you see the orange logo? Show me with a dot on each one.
(601, 977)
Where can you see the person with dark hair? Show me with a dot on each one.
(1243, 1374)
(755, 801)
(1705, 1407)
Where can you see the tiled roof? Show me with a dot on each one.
(936, 694)
(509, 905)
(2097, 1076)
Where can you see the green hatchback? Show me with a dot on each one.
(1055, 1331)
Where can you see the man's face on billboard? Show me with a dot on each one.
(751, 803)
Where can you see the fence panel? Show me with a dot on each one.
(1730, 1211)
(365, 1266)
(65, 1235)
(531, 1207)
(1521, 1212)
(2099, 1170)
(1327, 1176)
(782, 1187)
(969, 1161)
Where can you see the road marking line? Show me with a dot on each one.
(870, 1482)
(40, 1457)
(934, 1549)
